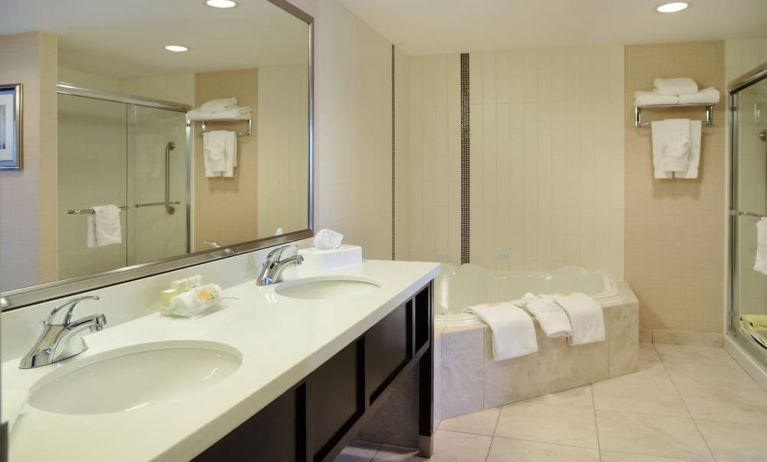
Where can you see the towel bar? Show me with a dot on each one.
(246, 132)
(708, 122)
(121, 207)
(740, 213)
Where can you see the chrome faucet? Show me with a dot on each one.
(64, 340)
(271, 273)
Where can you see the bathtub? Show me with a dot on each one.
(458, 288)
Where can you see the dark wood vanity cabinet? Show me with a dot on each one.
(318, 417)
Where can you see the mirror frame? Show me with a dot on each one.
(18, 298)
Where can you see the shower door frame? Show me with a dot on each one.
(64, 88)
(758, 351)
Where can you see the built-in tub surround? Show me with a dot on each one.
(467, 379)
(281, 340)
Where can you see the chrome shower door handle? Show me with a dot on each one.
(170, 209)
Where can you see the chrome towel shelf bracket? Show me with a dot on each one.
(709, 108)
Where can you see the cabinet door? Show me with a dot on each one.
(387, 349)
(274, 434)
(335, 399)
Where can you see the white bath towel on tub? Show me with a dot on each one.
(550, 316)
(513, 329)
(586, 318)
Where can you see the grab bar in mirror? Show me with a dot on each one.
(122, 207)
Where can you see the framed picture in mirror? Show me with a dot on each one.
(10, 127)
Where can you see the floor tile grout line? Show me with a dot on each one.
(686, 407)
(547, 442)
(596, 423)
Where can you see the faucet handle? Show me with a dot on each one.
(71, 304)
(276, 254)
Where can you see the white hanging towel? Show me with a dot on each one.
(220, 153)
(550, 316)
(104, 226)
(513, 330)
(693, 161)
(760, 263)
(586, 318)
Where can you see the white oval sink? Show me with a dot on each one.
(329, 287)
(130, 378)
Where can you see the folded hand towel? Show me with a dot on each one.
(220, 153)
(220, 104)
(104, 226)
(238, 113)
(586, 318)
(708, 95)
(550, 316)
(693, 162)
(651, 98)
(760, 262)
(678, 86)
(513, 330)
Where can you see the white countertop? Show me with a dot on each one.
(281, 341)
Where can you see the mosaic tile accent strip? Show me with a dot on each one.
(465, 161)
(393, 160)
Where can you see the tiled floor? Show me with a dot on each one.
(685, 404)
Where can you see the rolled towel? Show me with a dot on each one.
(760, 261)
(513, 330)
(586, 318)
(708, 95)
(219, 104)
(651, 98)
(678, 86)
(550, 316)
(104, 226)
(237, 113)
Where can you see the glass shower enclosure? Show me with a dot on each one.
(130, 152)
(747, 323)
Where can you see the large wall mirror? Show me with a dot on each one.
(155, 135)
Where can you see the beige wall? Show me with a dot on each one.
(225, 208)
(353, 167)
(28, 197)
(674, 232)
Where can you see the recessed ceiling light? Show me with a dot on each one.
(672, 7)
(176, 48)
(221, 3)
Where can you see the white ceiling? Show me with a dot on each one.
(119, 38)
(422, 27)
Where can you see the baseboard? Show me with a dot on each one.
(681, 337)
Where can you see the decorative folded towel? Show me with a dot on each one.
(237, 113)
(104, 226)
(760, 262)
(513, 330)
(550, 316)
(651, 98)
(693, 163)
(678, 86)
(586, 318)
(708, 95)
(219, 104)
(220, 153)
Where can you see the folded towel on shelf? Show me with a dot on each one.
(677, 86)
(708, 95)
(104, 226)
(693, 160)
(513, 330)
(586, 318)
(237, 113)
(219, 104)
(550, 316)
(219, 153)
(651, 98)
(760, 262)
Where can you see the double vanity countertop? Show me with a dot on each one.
(281, 341)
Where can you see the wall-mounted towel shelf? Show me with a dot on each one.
(247, 132)
(709, 121)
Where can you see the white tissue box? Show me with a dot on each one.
(319, 259)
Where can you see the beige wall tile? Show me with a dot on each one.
(674, 244)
